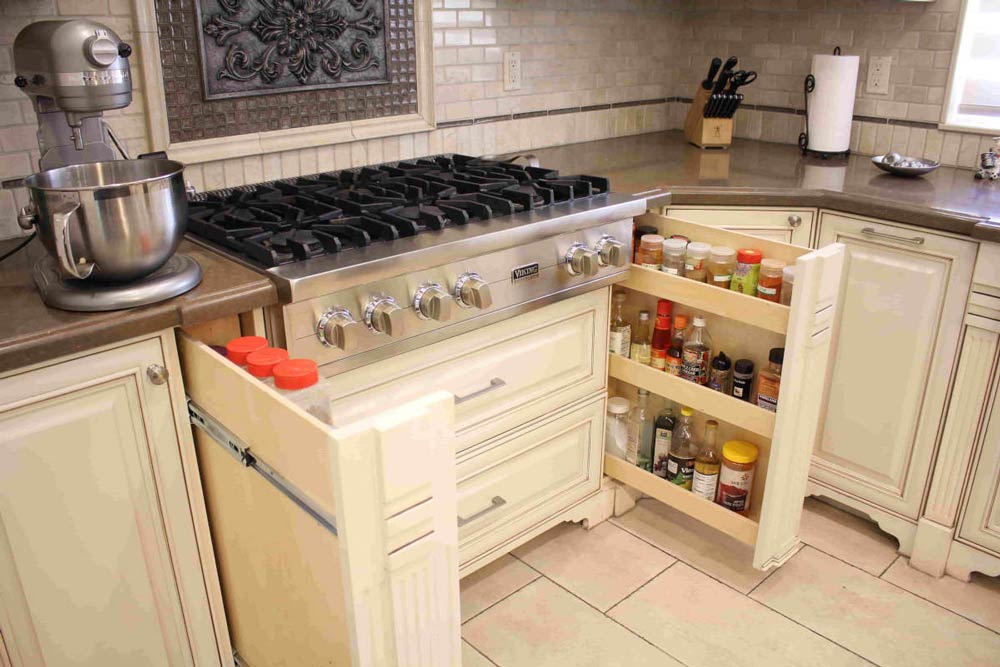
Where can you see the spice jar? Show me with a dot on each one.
(674, 252)
(747, 270)
(787, 283)
(720, 266)
(695, 260)
(739, 460)
(637, 233)
(769, 280)
(650, 252)
(743, 379)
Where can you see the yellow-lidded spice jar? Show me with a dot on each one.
(739, 460)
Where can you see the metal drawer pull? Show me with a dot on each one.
(496, 503)
(495, 383)
(913, 240)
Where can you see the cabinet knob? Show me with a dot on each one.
(432, 302)
(610, 252)
(471, 291)
(581, 260)
(794, 220)
(384, 316)
(338, 328)
(157, 374)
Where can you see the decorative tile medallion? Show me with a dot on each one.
(233, 67)
(255, 47)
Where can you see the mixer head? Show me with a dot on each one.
(74, 69)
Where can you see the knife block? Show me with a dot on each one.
(706, 132)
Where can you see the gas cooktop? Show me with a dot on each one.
(303, 230)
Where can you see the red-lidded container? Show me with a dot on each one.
(261, 363)
(293, 374)
(238, 348)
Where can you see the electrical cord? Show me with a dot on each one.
(19, 247)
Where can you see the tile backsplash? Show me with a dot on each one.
(592, 69)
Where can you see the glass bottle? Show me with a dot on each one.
(677, 333)
(663, 432)
(769, 380)
(683, 451)
(720, 375)
(674, 251)
(661, 335)
(642, 339)
(707, 464)
(636, 427)
(697, 349)
(620, 340)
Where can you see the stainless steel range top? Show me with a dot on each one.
(382, 259)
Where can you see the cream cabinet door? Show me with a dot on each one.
(895, 348)
(93, 572)
(786, 225)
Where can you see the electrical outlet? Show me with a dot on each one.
(878, 75)
(512, 70)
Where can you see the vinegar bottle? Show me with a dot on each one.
(707, 465)
(697, 349)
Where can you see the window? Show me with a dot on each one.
(974, 92)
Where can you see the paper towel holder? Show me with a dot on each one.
(809, 85)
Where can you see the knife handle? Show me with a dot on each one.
(713, 69)
(721, 83)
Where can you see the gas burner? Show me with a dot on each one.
(295, 219)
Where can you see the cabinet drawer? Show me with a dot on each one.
(506, 487)
(502, 375)
(777, 224)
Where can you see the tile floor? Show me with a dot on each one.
(654, 588)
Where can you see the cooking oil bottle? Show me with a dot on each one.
(707, 464)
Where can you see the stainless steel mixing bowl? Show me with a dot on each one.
(113, 221)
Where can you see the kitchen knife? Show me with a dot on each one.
(716, 100)
(713, 69)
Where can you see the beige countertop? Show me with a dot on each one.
(30, 332)
(754, 173)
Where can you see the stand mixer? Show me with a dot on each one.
(111, 225)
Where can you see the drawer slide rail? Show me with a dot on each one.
(240, 451)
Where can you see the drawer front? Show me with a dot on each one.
(506, 487)
(785, 225)
(502, 375)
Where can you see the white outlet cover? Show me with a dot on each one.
(878, 75)
(512, 70)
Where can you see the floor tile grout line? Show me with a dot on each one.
(518, 590)
(906, 590)
(773, 570)
(692, 565)
(643, 585)
(616, 621)
(888, 567)
(477, 650)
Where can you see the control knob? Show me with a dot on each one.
(337, 328)
(471, 291)
(383, 315)
(610, 251)
(581, 260)
(432, 302)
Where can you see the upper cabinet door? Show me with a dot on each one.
(785, 225)
(86, 574)
(895, 347)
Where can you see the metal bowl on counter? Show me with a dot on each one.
(113, 221)
(898, 165)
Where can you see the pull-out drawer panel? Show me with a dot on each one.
(502, 375)
(505, 488)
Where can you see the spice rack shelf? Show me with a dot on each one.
(726, 521)
(702, 296)
(786, 438)
(700, 398)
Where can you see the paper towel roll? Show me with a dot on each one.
(831, 103)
